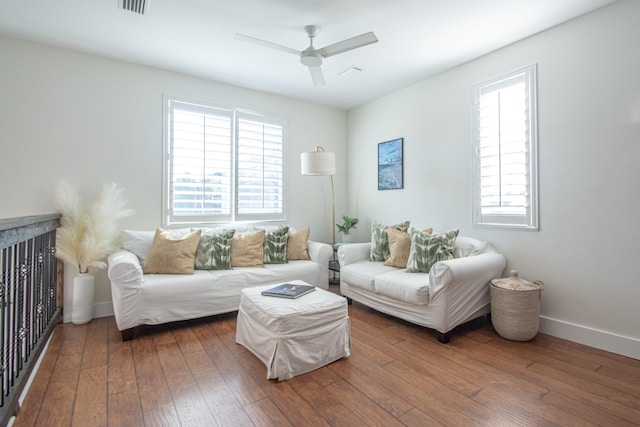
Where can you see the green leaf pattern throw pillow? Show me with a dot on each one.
(380, 240)
(427, 249)
(214, 251)
(275, 246)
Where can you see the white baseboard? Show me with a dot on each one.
(100, 309)
(607, 341)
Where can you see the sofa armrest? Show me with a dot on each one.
(354, 252)
(124, 269)
(320, 253)
(467, 272)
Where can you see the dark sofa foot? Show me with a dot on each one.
(443, 337)
(349, 301)
(127, 334)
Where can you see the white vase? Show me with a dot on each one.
(346, 238)
(82, 306)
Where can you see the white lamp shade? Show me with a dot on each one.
(318, 163)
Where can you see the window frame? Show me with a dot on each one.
(234, 115)
(528, 220)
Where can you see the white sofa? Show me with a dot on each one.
(150, 299)
(452, 293)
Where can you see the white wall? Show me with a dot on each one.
(589, 176)
(87, 119)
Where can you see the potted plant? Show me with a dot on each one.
(348, 224)
(87, 234)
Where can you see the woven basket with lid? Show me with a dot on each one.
(515, 307)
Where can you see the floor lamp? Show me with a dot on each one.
(320, 163)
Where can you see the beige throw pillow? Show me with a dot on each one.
(247, 249)
(399, 247)
(297, 245)
(169, 255)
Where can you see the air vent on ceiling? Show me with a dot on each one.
(136, 6)
(350, 72)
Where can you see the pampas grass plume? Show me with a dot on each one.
(89, 232)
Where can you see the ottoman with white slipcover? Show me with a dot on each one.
(293, 336)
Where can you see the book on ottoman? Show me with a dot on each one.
(289, 290)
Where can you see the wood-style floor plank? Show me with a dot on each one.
(239, 381)
(193, 373)
(95, 350)
(525, 408)
(90, 408)
(190, 404)
(32, 403)
(165, 416)
(334, 410)
(57, 404)
(123, 406)
(222, 403)
(153, 388)
(378, 392)
(363, 406)
(266, 414)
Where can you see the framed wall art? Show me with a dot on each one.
(390, 165)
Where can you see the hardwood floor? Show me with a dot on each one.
(193, 373)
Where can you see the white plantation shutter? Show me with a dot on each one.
(505, 147)
(260, 169)
(221, 165)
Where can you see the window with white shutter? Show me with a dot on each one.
(221, 165)
(505, 151)
(259, 167)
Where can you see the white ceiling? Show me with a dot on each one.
(418, 38)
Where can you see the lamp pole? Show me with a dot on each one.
(333, 211)
(321, 162)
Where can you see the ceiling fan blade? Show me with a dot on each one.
(316, 76)
(245, 38)
(348, 44)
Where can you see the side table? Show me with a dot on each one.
(334, 265)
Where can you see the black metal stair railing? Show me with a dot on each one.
(28, 301)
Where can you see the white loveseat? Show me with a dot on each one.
(452, 293)
(150, 299)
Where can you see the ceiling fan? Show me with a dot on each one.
(312, 57)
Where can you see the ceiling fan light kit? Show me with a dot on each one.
(312, 57)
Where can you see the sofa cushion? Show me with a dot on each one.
(139, 242)
(297, 245)
(362, 274)
(380, 240)
(412, 288)
(214, 251)
(468, 246)
(169, 255)
(275, 245)
(247, 249)
(427, 249)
